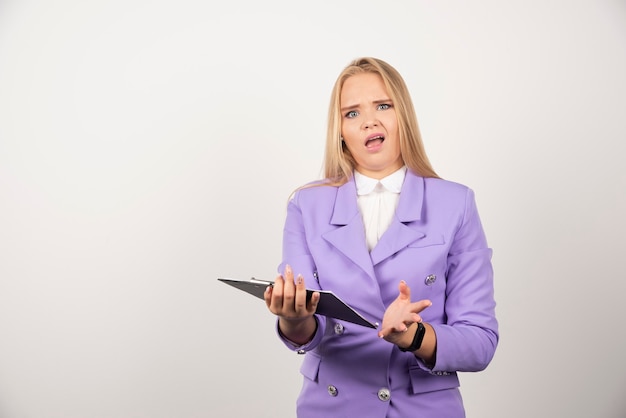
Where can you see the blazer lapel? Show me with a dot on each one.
(349, 237)
(401, 233)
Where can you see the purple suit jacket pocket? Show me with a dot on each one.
(310, 366)
(423, 381)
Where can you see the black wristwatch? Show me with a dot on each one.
(417, 339)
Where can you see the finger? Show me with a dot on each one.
(300, 296)
(289, 289)
(396, 328)
(414, 318)
(419, 306)
(277, 295)
(267, 296)
(405, 291)
(315, 298)
(288, 274)
(383, 333)
(389, 330)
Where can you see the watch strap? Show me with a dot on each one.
(417, 338)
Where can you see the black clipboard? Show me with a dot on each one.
(329, 304)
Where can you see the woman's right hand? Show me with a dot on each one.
(287, 300)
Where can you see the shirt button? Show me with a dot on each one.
(384, 394)
(338, 329)
(301, 352)
(430, 279)
(332, 391)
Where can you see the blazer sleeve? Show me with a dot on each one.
(468, 339)
(296, 253)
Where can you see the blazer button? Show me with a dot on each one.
(430, 279)
(332, 391)
(384, 394)
(338, 329)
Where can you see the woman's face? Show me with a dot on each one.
(369, 125)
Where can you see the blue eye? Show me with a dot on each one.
(384, 106)
(352, 114)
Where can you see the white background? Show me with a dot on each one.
(149, 147)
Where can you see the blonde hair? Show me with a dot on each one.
(338, 162)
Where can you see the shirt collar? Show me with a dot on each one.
(393, 182)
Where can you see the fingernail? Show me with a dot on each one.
(300, 279)
(287, 269)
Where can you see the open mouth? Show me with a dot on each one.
(374, 141)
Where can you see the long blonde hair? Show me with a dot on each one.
(338, 162)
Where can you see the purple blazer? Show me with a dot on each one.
(437, 245)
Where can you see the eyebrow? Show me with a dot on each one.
(379, 101)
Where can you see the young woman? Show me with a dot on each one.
(401, 246)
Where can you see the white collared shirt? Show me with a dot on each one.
(377, 201)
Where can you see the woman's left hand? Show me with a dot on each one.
(401, 314)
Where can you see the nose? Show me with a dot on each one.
(370, 122)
